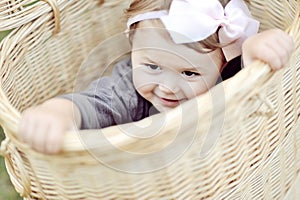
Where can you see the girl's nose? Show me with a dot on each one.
(169, 82)
(172, 88)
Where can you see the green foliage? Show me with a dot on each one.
(7, 191)
(3, 34)
(30, 4)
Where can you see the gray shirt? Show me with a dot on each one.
(111, 100)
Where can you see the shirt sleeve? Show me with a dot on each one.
(110, 100)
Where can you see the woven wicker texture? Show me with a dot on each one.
(243, 144)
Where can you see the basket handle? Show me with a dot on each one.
(56, 14)
(22, 184)
(9, 116)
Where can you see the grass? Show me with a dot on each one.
(7, 191)
(3, 34)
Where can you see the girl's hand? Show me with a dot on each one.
(274, 47)
(43, 127)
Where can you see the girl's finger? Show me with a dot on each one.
(55, 138)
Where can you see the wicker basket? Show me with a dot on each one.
(243, 144)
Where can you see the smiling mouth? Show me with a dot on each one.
(170, 102)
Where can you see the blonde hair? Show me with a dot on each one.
(142, 6)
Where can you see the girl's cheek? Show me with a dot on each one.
(143, 79)
(142, 85)
(194, 89)
(145, 91)
(137, 77)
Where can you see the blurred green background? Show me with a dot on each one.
(7, 191)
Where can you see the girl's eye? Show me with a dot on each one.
(190, 74)
(153, 67)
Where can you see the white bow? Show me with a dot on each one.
(194, 20)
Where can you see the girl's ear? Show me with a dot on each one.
(131, 31)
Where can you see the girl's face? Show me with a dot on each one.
(168, 74)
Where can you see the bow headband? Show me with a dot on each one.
(195, 20)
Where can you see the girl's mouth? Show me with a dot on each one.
(169, 102)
